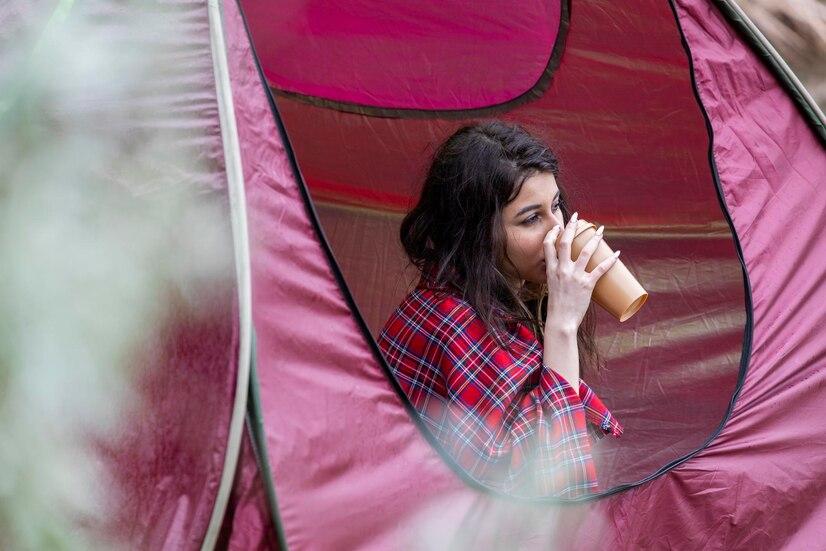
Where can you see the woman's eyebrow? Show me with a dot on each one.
(523, 210)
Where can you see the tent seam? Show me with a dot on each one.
(255, 419)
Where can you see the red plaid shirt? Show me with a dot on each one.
(509, 422)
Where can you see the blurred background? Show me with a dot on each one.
(797, 29)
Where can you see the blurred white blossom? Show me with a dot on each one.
(97, 218)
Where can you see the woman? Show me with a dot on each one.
(496, 381)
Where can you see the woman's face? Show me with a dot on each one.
(526, 220)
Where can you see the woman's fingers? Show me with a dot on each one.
(549, 244)
(589, 248)
(567, 238)
(603, 267)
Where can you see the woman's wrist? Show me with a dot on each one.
(560, 351)
(560, 328)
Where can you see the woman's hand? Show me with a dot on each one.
(569, 285)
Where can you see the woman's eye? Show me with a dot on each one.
(556, 207)
(530, 220)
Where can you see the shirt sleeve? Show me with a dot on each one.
(597, 414)
(508, 433)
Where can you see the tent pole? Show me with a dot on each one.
(754, 38)
(235, 184)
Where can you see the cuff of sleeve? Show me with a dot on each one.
(598, 414)
(610, 425)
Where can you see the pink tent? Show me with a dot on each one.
(677, 126)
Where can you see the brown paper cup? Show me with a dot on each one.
(618, 291)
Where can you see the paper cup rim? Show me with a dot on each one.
(583, 225)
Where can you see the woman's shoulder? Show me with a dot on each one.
(444, 315)
(436, 328)
(430, 309)
(418, 331)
